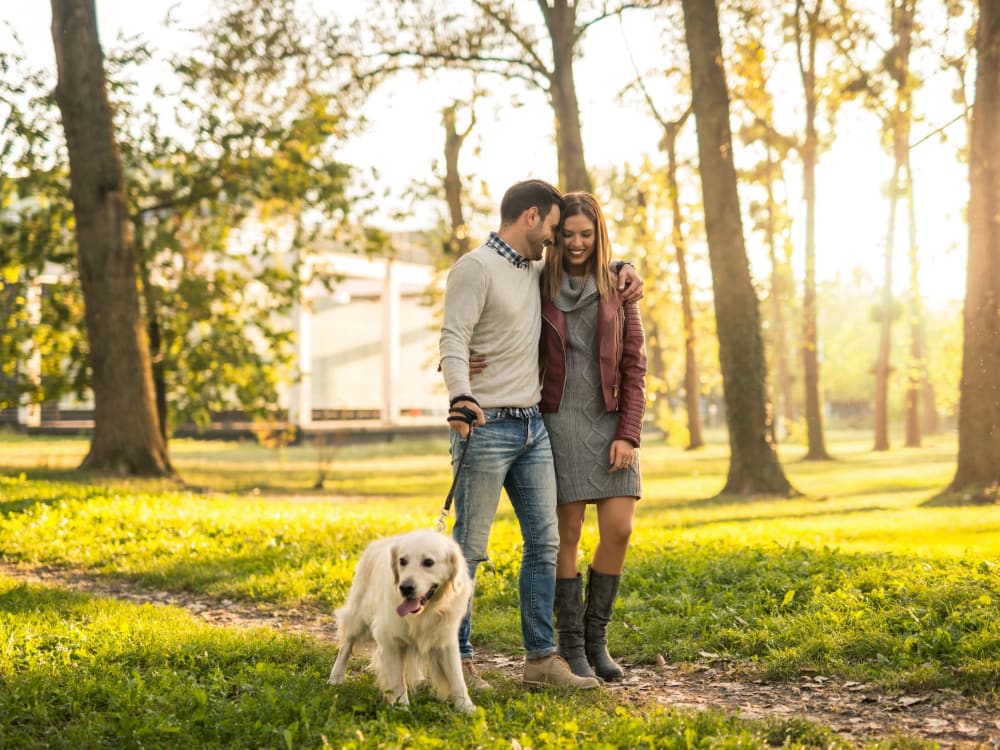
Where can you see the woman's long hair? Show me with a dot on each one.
(583, 204)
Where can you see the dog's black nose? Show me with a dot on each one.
(406, 588)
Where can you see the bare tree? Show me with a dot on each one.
(127, 437)
(497, 38)
(668, 144)
(754, 467)
(458, 239)
(807, 32)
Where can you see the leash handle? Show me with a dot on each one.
(458, 414)
(463, 414)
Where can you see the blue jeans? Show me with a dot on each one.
(513, 453)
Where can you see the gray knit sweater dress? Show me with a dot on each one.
(582, 430)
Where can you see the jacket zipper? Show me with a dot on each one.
(562, 344)
(619, 346)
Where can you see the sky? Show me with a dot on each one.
(512, 143)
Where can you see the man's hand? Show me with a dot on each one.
(629, 284)
(457, 422)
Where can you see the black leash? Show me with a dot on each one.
(458, 414)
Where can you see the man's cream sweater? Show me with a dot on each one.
(492, 308)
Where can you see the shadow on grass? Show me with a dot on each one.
(13, 507)
(279, 483)
(77, 477)
(19, 495)
(763, 516)
(971, 497)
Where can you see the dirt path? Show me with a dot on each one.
(856, 712)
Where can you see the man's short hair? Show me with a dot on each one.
(529, 194)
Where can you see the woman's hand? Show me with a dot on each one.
(629, 284)
(477, 363)
(622, 455)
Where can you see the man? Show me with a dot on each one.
(493, 307)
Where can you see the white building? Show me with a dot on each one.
(366, 352)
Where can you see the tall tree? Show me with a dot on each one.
(244, 132)
(808, 29)
(978, 469)
(637, 199)
(668, 144)
(888, 82)
(898, 120)
(692, 383)
(753, 65)
(126, 438)
(675, 78)
(495, 37)
(753, 466)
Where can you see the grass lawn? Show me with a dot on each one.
(863, 578)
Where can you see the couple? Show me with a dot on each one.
(519, 313)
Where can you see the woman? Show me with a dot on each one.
(593, 400)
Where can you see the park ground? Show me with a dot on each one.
(861, 613)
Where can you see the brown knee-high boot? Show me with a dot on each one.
(568, 611)
(602, 590)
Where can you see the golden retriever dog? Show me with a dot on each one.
(408, 597)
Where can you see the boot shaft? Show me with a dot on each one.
(568, 611)
(568, 604)
(602, 590)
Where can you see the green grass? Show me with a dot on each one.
(861, 579)
(80, 672)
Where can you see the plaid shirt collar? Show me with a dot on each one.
(507, 251)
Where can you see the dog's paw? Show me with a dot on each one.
(398, 701)
(465, 706)
(335, 679)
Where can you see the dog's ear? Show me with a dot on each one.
(395, 565)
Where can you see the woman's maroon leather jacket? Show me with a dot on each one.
(622, 347)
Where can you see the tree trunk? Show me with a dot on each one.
(754, 466)
(979, 399)
(126, 438)
(149, 297)
(882, 366)
(810, 338)
(781, 292)
(916, 373)
(692, 385)
(929, 414)
(458, 240)
(560, 19)
(899, 68)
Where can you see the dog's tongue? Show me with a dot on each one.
(408, 605)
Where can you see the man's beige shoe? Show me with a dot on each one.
(473, 680)
(554, 670)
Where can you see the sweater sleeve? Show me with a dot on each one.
(632, 405)
(464, 298)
